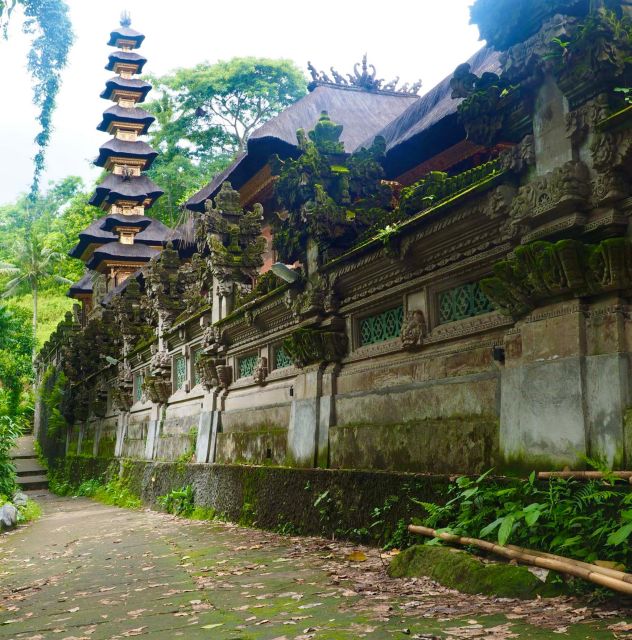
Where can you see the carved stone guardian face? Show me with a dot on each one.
(260, 372)
(413, 330)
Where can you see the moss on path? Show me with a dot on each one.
(86, 571)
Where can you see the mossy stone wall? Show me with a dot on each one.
(463, 445)
(280, 498)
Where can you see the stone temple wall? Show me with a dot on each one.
(414, 358)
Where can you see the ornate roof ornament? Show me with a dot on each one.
(364, 77)
(126, 18)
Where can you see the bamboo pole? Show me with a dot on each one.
(527, 557)
(583, 475)
(613, 573)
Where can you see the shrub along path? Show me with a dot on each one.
(86, 571)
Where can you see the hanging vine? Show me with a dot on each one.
(48, 24)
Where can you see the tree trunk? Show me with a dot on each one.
(34, 321)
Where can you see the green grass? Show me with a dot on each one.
(114, 492)
(52, 305)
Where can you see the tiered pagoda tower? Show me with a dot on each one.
(119, 243)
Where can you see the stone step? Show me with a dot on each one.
(24, 448)
(31, 472)
(28, 466)
(32, 482)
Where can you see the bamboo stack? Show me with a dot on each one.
(583, 475)
(603, 576)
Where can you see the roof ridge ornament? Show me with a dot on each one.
(363, 78)
(126, 19)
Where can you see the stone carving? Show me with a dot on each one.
(260, 372)
(542, 270)
(327, 199)
(480, 111)
(206, 366)
(519, 157)
(100, 400)
(413, 329)
(157, 384)
(196, 284)
(231, 240)
(213, 340)
(123, 389)
(581, 120)
(564, 189)
(164, 289)
(128, 309)
(364, 77)
(224, 375)
(308, 346)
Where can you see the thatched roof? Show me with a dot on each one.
(126, 57)
(135, 188)
(124, 114)
(430, 124)
(154, 233)
(125, 33)
(82, 286)
(126, 84)
(361, 113)
(124, 252)
(125, 149)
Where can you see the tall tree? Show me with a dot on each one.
(33, 263)
(48, 23)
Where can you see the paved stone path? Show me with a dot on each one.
(86, 571)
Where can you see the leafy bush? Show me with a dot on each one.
(10, 431)
(180, 502)
(585, 520)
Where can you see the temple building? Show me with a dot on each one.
(116, 245)
(381, 281)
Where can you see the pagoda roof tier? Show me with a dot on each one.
(134, 188)
(83, 286)
(101, 232)
(134, 115)
(126, 149)
(128, 58)
(119, 252)
(124, 35)
(129, 85)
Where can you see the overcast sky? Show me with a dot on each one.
(412, 39)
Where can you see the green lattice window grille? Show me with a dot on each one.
(196, 357)
(180, 366)
(462, 302)
(138, 387)
(247, 365)
(282, 358)
(383, 326)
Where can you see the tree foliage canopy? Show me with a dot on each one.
(47, 22)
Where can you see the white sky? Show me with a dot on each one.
(412, 39)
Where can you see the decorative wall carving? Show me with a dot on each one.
(309, 346)
(564, 189)
(260, 372)
(413, 329)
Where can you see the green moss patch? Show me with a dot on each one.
(460, 570)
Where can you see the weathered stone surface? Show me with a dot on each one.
(468, 445)
(20, 499)
(8, 516)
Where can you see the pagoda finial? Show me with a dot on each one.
(126, 19)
